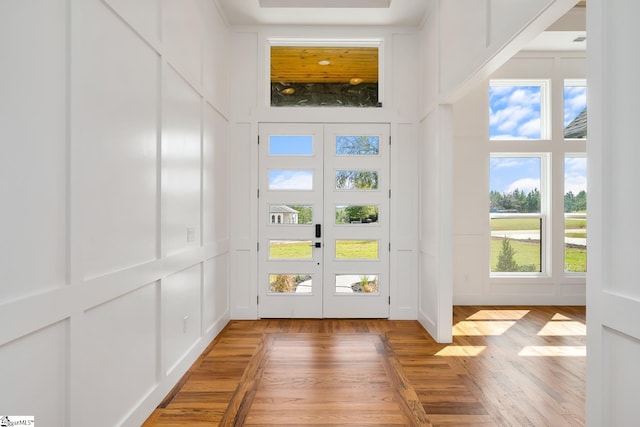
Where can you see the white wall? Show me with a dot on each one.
(461, 43)
(250, 80)
(114, 274)
(613, 290)
(472, 149)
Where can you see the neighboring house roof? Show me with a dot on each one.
(578, 126)
(281, 209)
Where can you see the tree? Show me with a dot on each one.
(360, 213)
(305, 214)
(505, 258)
(569, 202)
(361, 145)
(532, 202)
(346, 180)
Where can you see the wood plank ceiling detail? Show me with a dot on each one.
(301, 64)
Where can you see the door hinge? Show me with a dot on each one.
(257, 299)
(257, 246)
(389, 246)
(258, 139)
(258, 193)
(389, 193)
(389, 139)
(389, 299)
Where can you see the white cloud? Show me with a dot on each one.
(525, 96)
(506, 162)
(576, 165)
(508, 137)
(290, 180)
(575, 184)
(531, 128)
(524, 184)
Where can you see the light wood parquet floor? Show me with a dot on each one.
(507, 366)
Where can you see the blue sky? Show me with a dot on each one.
(575, 99)
(509, 173)
(523, 173)
(298, 145)
(575, 174)
(292, 145)
(514, 112)
(293, 179)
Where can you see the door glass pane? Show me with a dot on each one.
(295, 179)
(356, 283)
(356, 180)
(290, 214)
(354, 214)
(289, 283)
(575, 217)
(358, 145)
(356, 249)
(290, 249)
(290, 145)
(575, 110)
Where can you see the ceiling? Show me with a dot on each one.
(342, 12)
(324, 64)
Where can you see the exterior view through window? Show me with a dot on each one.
(516, 217)
(522, 185)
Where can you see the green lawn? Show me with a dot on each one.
(345, 249)
(528, 253)
(575, 260)
(500, 224)
(291, 250)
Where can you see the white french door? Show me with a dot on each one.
(323, 221)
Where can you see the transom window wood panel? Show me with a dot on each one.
(323, 64)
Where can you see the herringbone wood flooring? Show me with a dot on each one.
(507, 366)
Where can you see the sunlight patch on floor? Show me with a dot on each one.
(461, 350)
(481, 328)
(559, 316)
(563, 328)
(498, 315)
(554, 351)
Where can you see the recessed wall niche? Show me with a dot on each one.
(324, 76)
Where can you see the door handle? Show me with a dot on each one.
(316, 245)
(318, 230)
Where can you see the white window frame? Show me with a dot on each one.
(545, 230)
